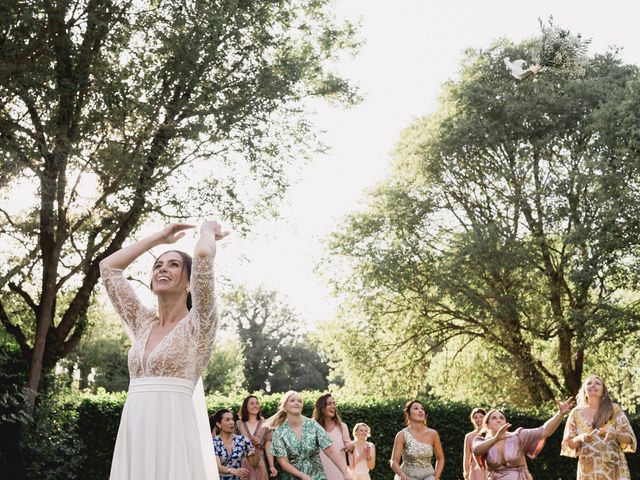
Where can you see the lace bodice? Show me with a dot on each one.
(416, 454)
(185, 351)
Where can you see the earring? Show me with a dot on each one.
(187, 289)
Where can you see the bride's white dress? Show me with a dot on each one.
(164, 430)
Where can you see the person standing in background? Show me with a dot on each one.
(327, 415)
(363, 457)
(473, 471)
(599, 434)
(251, 425)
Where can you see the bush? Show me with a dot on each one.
(99, 416)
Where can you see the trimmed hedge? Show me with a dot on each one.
(99, 416)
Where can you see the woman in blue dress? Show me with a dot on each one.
(231, 449)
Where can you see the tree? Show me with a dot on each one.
(120, 111)
(277, 354)
(509, 219)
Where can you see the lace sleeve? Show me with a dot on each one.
(125, 301)
(204, 312)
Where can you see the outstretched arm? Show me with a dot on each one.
(553, 423)
(125, 256)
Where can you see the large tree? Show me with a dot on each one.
(510, 218)
(112, 108)
(278, 354)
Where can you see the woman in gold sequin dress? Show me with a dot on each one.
(164, 431)
(416, 445)
(599, 434)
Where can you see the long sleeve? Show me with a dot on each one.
(125, 301)
(204, 312)
(622, 425)
(570, 431)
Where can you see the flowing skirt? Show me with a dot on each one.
(164, 433)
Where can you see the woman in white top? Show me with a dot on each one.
(363, 457)
(326, 414)
(164, 431)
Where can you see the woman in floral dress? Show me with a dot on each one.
(599, 434)
(231, 449)
(298, 440)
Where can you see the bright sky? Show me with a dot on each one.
(411, 48)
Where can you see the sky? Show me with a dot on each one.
(411, 48)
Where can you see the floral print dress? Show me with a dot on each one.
(242, 448)
(303, 453)
(599, 460)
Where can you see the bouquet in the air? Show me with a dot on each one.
(559, 49)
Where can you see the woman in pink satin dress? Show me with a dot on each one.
(473, 471)
(326, 414)
(503, 452)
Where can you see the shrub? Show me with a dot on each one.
(99, 416)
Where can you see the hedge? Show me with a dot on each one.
(99, 416)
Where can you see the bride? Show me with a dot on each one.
(164, 430)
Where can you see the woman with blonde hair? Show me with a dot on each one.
(363, 457)
(599, 434)
(416, 444)
(504, 453)
(473, 471)
(298, 440)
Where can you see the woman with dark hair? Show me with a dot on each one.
(416, 445)
(503, 452)
(251, 425)
(231, 449)
(473, 471)
(163, 432)
(298, 440)
(599, 434)
(326, 414)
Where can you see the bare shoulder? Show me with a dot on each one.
(433, 433)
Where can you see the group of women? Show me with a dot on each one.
(317, 448)
(164, 433)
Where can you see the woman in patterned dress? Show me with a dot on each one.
(298, 440)
(416, 445)
(503, 453)
(251, 425)
(599, 434)
(164, 432)
(472, 470)
(231, 449)
(326, 414)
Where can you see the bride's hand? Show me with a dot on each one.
(214, 227)
(173, 232)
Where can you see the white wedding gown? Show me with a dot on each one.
(164, 429)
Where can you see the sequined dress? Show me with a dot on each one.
(416, 459)
(164, 433)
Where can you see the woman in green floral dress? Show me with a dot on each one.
(297, 442)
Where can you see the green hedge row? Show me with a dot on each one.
(99, 416)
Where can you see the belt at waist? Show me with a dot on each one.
(161, 384)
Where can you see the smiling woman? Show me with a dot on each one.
(163, 432)
(599, 434)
